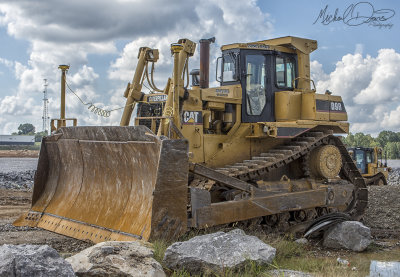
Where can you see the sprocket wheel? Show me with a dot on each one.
(325, 161)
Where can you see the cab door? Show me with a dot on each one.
(257, 102)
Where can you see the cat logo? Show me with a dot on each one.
(190, 117)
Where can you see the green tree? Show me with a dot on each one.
(387, 136)
(26, 129)
(391, 149)
(374, 143)
(363, 140)
(349, 140)
(40, 135)
(388, 140)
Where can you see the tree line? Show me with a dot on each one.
(389, 141)
(27, 129)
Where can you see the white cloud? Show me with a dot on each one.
(6, 62)
(384, 86)
(228, 21)
(67, 32)
(392, 119)
(369, 87)
(92, 21)
(9, 127)
(359, 48)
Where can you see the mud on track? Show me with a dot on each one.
(12, 204)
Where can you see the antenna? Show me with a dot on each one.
(45, 116)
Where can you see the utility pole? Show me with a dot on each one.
(64, 69)
(62, 121)
(45, 117)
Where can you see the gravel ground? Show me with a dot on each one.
(383, 211)
(383, 207)
(394, 177)
(17, 180)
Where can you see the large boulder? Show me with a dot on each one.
(217, 251)
(352, 235)
(116, 258)
(32, 260)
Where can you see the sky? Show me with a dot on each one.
(357, 57)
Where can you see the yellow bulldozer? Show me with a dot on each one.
(369, 161)
(260, 148)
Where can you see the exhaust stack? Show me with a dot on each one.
(205, 61)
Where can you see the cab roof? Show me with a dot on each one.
(283, 44)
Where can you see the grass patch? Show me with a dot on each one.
(286, 248)
(290, 255)
(159, 247)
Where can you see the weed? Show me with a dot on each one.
(286, 248)
(181, 273)
(159, 247)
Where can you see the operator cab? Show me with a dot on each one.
(261, 72)
(362, 156)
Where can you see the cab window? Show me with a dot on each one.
(255, 84)
(229, 69)
(369, 157)
(284, 72)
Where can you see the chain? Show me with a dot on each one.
(96, 110)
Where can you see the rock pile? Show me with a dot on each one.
(17, 180)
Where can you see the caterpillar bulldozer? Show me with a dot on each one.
(260, 148)
(369, 161)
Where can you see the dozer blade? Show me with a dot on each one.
(110, 183)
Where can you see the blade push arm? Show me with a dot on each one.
(181, 51)
(133, 92)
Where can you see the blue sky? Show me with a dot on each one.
(336, 39)
(360, 63)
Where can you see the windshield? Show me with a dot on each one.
(360, 160)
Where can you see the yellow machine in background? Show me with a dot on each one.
(257, 149)
(369, 162)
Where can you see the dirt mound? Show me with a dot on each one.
(19, 153)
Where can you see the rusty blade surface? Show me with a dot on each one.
(110, 183)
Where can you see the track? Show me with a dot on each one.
(374, 180)
(259, 167)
